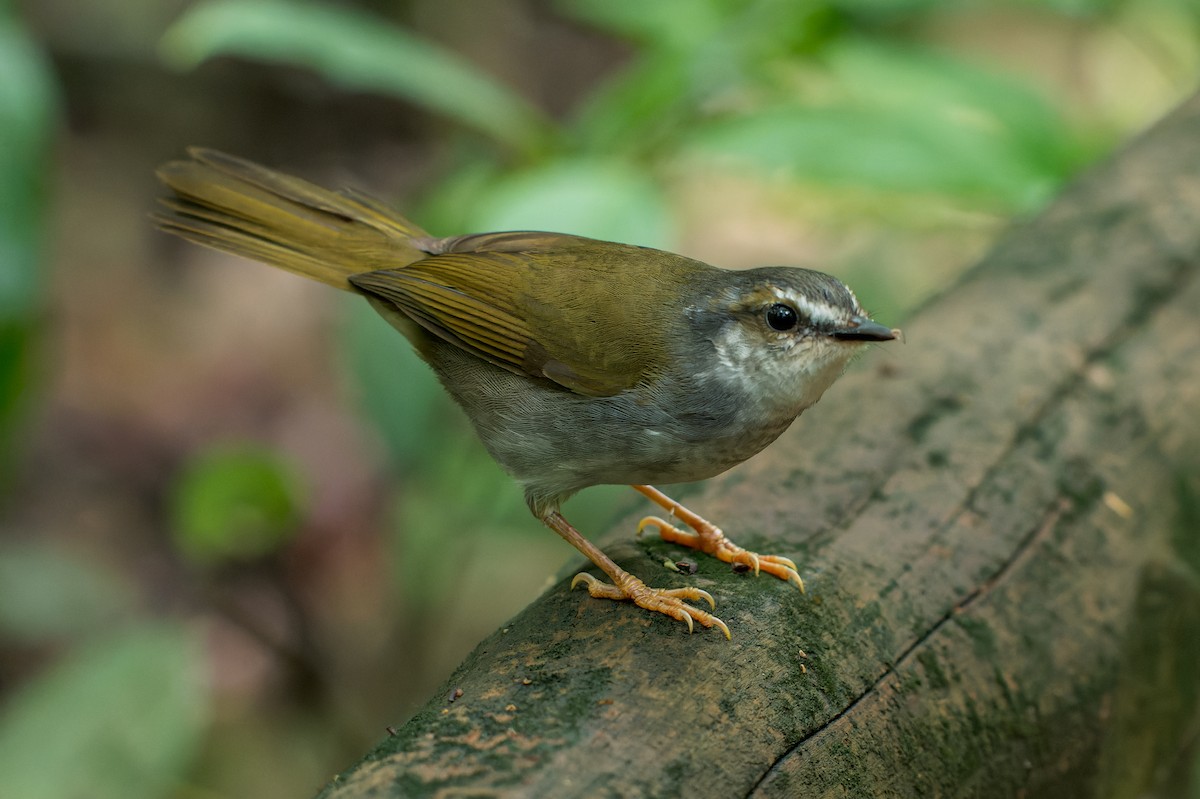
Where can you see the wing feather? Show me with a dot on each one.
(503, 297)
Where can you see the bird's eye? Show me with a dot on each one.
(782, 317)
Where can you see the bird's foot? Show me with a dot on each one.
(659, 600)
(709, 539)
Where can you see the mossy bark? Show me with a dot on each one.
(999, 526)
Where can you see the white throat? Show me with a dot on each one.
(783, 378)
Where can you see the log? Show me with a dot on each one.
(999, 527)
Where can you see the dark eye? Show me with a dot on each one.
(782, 317)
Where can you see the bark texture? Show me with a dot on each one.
(999, 527)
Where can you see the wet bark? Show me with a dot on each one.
(999, 527)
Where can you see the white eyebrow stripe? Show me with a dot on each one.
(818, 312)
(853, 296)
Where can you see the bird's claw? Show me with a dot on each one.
(709, 539)
(669, 601)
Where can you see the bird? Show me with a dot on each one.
(579, 362)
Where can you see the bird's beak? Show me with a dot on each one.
(863, 329)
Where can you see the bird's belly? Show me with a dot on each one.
(663, 458)
(556, 442)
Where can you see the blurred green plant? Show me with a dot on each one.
(121, 717)
(355, 51)
(123, 714)
(51, 595)
(407, 410)
(819, 89)
(234, 503)
(908, 120)
(28, 111)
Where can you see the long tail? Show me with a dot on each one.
(240, 207)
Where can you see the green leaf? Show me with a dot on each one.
(912, 121)
(678, 24)
(358, 52)
(1082, 9)
(876, 13)
(967, 99)
(122, 718)
(639, 109)
(602, 199)
(27, 114)
(234, 503)
(51, 594)
(884, 149)
(909, 120)
(17, 350)
(28, 106)
(690, 58)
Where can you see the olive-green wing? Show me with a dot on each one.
(545, 305)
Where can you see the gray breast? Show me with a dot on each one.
(556, 442)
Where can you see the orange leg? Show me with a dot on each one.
(709, 539)
(625, 586)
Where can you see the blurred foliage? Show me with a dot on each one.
(405, 411)
(28, 107)
(122, 717)
(601, 198)
(50, 595)
(234, 503)
(355, 51)
(821, 90)
(904, 119)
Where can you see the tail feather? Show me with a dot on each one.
(240, 207)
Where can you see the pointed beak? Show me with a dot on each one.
(863, 329)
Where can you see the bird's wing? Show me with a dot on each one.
(539, 304)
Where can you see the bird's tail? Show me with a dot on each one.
(240, 207)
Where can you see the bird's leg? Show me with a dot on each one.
(708, 538)
(626, 586)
